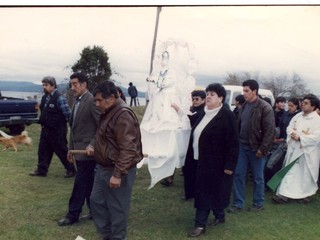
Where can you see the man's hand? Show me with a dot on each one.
(295, 136)
(175, 107)
(114, 182)
(228, 172)
(259, 154)
(90, 150)
(70, 158)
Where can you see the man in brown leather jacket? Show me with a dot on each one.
(117, 151)
(256, 134)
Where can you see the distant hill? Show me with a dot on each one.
(32, 87)
(20, 86)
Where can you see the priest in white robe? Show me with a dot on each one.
(303, 140)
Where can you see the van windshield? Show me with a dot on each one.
(235, 94)
(227, 100)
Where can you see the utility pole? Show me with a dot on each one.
(154, 39)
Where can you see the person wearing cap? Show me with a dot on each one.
(55, 114)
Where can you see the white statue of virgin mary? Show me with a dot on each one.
(165, 133)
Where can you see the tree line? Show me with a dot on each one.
(287, 85)
(94, 62)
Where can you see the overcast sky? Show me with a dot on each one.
(36, 42)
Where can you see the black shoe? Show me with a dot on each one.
(184, 198)
(70, 174)
(86, 217)
(36, 173)
(234, 210)
(255, 208)
(217, 221)
(66, 221)
(280, 199)
(166, 182)
(305, 200)
(196, 232)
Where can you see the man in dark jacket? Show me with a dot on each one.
(117, 151)
(55, 114)
(83, 124)
(133, 93)
(256, 134)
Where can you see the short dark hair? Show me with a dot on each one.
(240, 99)
(106, 88)
(252, 84)
(280, 99)
(82, 77)
(218, 89)
(119, 89)
(199, 93)
(295, 101)
(314, 100)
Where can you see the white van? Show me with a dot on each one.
(233, 91)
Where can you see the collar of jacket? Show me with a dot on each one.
(118, 102)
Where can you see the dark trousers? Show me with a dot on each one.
(53, 141)
(110, 206)
(228, 181)
(319, 179)
(82, 188)
(134, 100)
(202, 216)
(190, 174)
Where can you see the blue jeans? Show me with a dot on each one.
(248, 156)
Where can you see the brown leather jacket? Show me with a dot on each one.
(118, 140)
(261, 126)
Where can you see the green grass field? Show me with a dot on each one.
(30, 208)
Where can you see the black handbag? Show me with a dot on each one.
(276, 155)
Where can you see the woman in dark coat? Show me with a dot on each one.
(213, 150)
(293, 109)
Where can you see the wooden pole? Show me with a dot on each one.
(154, 43)
(83, 152)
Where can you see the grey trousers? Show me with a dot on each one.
(110, 206)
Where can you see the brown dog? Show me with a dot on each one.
(13, 141)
